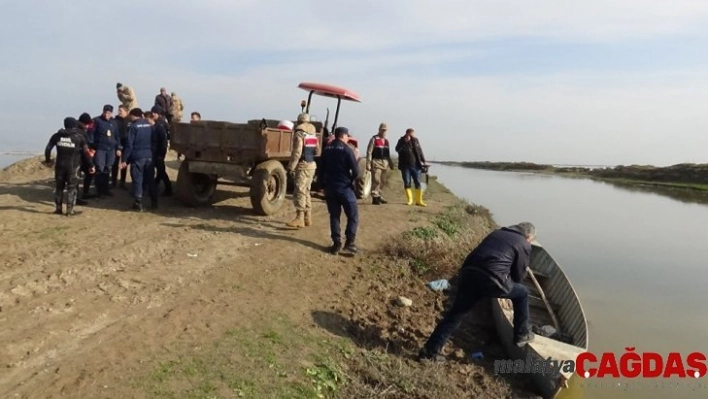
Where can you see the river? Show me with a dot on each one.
(635, 259)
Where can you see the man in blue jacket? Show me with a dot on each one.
(494, 269)
(338, 174)
(139, 154)
(106, 141)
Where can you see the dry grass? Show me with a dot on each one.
(440, 247)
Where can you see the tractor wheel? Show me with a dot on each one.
(194, 189)
(268, 186)
(363, 182)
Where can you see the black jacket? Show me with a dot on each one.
(500, 259)
(164, 102)
(410, 155)
(72, 149)
(339, 168)
(159, 141)
(122, 128)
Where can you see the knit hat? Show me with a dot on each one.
(85, 118)
(156, 109)
(70, 123)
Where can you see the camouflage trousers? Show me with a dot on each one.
(301, 194)
(377, 175)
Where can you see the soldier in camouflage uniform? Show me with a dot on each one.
(378, 160)
(302, 168)
(177, 108)
(126, 95)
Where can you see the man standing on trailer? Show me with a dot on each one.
(302, 168)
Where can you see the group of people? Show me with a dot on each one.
(103, 149)
(495, 268)
(339, 171)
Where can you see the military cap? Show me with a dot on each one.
(303, 117)
(383, 126)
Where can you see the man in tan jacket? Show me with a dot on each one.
(126, 95)
(302, 168)
(378, 159)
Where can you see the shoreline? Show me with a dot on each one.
(285, 318)
(682, 176)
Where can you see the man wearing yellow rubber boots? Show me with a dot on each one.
(411, 162)
(302, 168)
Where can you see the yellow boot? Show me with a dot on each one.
(308, 218)
(409, 196)
(298, 222)
(419, 197)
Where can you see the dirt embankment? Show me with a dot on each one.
(216, 302)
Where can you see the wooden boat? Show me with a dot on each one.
(569, 314)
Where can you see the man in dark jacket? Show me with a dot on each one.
(411, 163)
(121, 122)
(106, 141)
(86, 126)
(161, 128)
(338, 174)
(139, 154)
(494, 269)
(164, 101)
(71, 147)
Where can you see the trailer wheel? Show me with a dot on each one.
(268, 186)
(194, 189)
(363, 182)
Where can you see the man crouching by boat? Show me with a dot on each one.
(494, 269)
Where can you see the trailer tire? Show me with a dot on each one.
(268, 187)
(362, 185)
(194, 189)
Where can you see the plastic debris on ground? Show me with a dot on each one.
(439, 285)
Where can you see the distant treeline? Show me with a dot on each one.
(689, 174)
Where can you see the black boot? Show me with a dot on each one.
(382, 201)
(335, 248)
(138, 206)
(376, 201)
(58, 197)
(349, 246)
(71, 197)
(153, 203)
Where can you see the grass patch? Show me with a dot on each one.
(276, 360)
(438, 247)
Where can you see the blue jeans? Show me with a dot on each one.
(142, 172)
(411, 173)
(469, 292)
(103, 161)
(338, 199)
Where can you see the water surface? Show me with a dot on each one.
(637, 260)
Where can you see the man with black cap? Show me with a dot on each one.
(121, 121)
(106, 141)
(71, 147)
(139, 153)
(161, 135)
(338, 174)
(86, 126)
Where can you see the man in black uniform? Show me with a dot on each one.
(162, 131)
(122, 122)
(86, 128)
(71, 146)
(139, 154)
(338, 174)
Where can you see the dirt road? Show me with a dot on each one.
(92, 305)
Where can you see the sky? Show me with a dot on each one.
(550, 81)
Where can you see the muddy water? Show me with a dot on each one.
(637, 260)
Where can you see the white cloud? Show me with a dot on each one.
(65, 57)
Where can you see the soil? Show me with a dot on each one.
(89, 302)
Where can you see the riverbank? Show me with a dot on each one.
(217, 302)
(684, 176)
